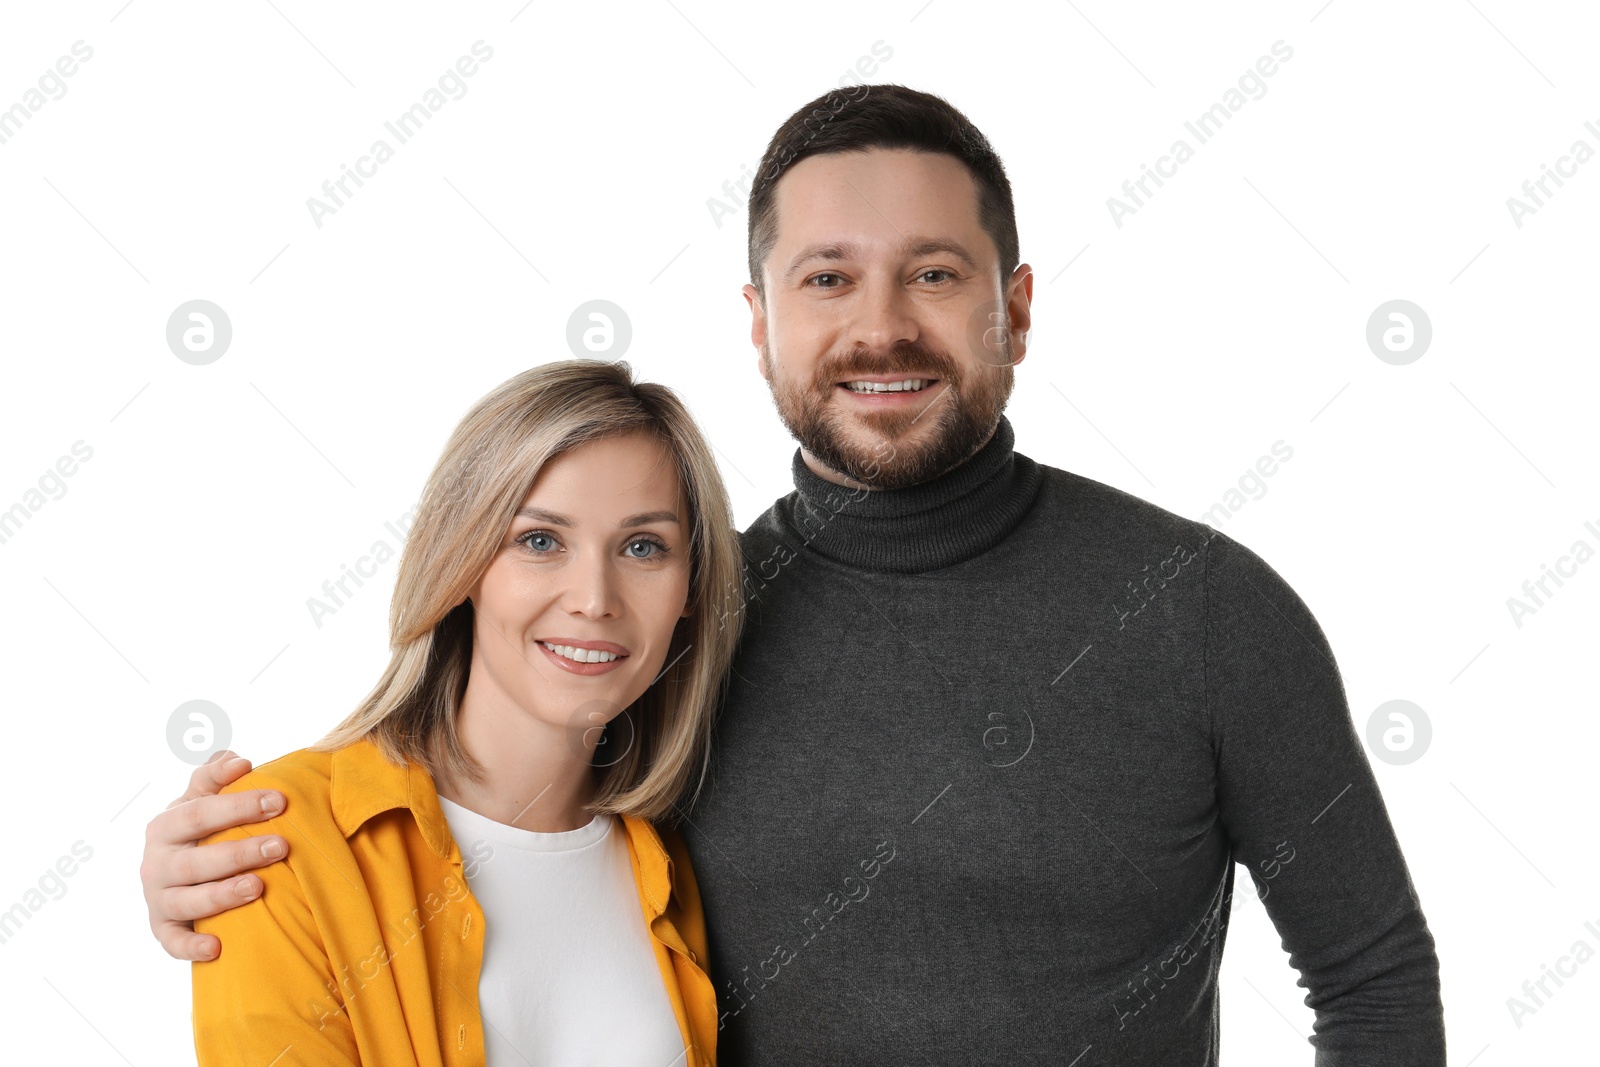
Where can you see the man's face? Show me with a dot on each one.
(882, 274)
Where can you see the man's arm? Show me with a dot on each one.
(183, 880)
(1305, 816)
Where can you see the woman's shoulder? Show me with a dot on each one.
(660, 845)
(304, 777)
(304, 773)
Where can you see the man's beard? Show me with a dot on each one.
(899, 451)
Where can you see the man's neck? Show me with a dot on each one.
(827, 473)
(918, 528)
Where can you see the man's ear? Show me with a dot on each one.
(758, 323)
(1019, 310)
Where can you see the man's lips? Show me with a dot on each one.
(895, 397)
(883, 379)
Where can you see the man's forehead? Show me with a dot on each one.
(843, 205)
(860, 179)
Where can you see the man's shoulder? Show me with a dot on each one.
(1116, 515)
(766, 532)
(1097, 512)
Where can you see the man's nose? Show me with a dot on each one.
(885, 318)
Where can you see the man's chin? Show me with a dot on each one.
(879, 460)
(889, 446)
(880, 430)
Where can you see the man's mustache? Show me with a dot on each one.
(909, 361)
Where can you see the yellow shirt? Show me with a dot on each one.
(366, 945)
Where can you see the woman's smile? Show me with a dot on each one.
(588, 657)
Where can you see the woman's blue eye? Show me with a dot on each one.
(541, 542)
(535, 535)
(642, 543)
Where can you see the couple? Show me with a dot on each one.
(989, 736)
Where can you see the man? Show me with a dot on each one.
(996, 733)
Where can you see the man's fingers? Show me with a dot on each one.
(216, 772)
(179, 868)
(183, 882)
(186, 903)
(190, 820)
(183, 943)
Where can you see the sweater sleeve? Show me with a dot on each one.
(1304, 815)
(268, 997)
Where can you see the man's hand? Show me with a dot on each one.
(183, 882)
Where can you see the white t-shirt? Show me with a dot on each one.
(569, 971)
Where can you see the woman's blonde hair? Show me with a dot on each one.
(484, 474)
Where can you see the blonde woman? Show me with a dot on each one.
(482, 865)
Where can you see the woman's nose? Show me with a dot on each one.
(591, 586)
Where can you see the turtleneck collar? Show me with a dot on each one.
(962, 513)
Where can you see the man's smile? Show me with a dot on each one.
(884, 389)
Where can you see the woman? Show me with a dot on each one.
(473, 874)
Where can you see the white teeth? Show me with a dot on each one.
(909, 385)
(582, 655)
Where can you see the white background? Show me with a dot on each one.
(1168, 354)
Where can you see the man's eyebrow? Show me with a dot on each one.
(834, 251)
(554, 519)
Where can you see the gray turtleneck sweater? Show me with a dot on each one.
(991, 749)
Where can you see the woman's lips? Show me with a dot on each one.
(574, 667)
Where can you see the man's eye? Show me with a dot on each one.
(935, 270)
(819, 277)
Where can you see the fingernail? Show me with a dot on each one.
(271, 803)
(244, 888)
(272, 849)
(234, 763)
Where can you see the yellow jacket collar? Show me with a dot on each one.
(365, 784)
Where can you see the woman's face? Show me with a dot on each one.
(575, 612)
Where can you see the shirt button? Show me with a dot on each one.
(692, 957)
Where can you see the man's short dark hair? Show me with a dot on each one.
(881, 116)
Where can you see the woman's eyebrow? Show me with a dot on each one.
(540, 515)
(642, 519)
(650, 517)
